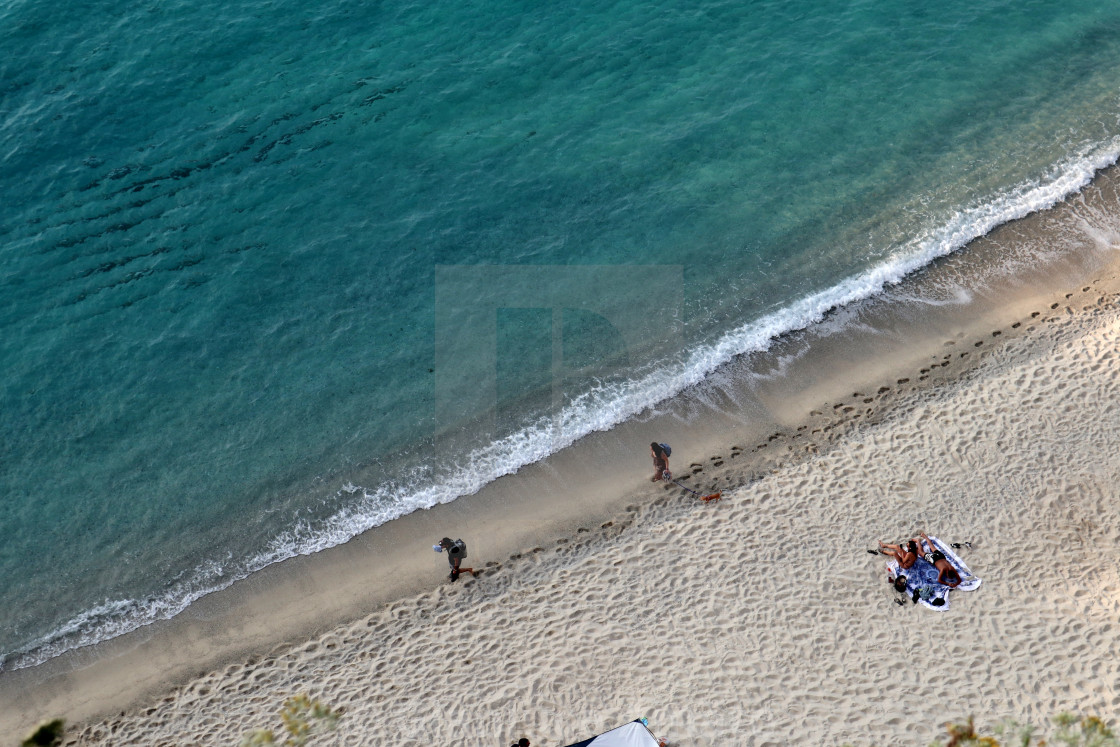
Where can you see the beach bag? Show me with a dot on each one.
(668, 449)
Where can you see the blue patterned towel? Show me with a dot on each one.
(922, 578)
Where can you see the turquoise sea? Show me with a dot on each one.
(274, 272)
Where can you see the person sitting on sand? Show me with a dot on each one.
(946, 574)
(660, 462)
(906, 556)
(456, 551)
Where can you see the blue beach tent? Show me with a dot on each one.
(633, 734)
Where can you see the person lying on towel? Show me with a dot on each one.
(946, 574)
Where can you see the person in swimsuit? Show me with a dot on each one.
(905, 555)
(660, 462)
(946, 574)
(456, 551)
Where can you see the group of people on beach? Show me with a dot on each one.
(909, 554)
(915, 549)
(918, 548)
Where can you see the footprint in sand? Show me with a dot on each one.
(904, 486)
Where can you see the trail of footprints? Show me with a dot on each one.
(844, 415)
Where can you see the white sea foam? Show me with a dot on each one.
(597, 410)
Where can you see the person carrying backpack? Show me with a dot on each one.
(456, 551)
(660, 454)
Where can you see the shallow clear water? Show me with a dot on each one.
(239, 244)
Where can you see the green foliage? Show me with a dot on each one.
(302, 717)
(1071, 731)
(1088, 732)
(48, 734)
(964, 735)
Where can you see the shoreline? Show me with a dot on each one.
(366, 508)
(783, 409)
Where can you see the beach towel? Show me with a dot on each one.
(922, 578)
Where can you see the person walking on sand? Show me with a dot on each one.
(456, 551)
(660, 462)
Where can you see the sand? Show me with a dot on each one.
(758, 619)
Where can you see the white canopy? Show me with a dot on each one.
(633, 734)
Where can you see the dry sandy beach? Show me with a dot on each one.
(756, 620)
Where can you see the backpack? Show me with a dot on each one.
(668, 449)
(458, 549)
